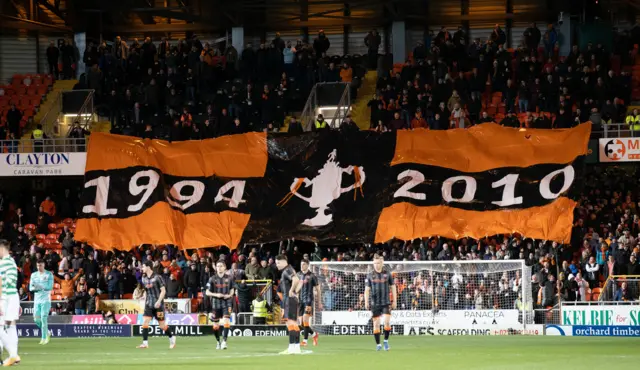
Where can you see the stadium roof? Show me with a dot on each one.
(169, 16)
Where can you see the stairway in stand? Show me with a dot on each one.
(46, 106)
(360, 113)
(101, 126)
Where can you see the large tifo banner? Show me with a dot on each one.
(42, 164)
(331, 187)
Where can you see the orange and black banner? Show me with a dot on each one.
(330, 187)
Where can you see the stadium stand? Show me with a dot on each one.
(25, 93)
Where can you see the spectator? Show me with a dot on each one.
(53, 55)
(633, 120)
(253, 269)
(348, 126)
(113, 277)
(372, 41)
(48, 206)
(192, 281)
(321, 44)
(174, 287)
(67, 284)
(346, 73)
(623, 294)
(80, 299)
(418, 121)
(14, 116)
(294, 126)
(139, 293)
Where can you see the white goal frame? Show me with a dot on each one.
(490, 320)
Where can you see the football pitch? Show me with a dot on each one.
(353, 352)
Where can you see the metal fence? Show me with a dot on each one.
(613, 130)
(56, 145)
(549, 316)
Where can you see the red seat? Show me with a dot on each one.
(53, 227)
(41, 237)
(30, 227)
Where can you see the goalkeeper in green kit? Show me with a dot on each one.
(41, 284)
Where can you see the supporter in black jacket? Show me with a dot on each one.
(192, 281)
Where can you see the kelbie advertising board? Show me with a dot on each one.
(608, 315)
(446, 319)
(42, 164)
(619, 150)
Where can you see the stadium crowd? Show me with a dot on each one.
(158, 92)
(451, 83)
(605, 241)
(194, 90)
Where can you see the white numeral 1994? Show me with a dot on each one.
(178, 196)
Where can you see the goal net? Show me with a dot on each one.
(433, 297)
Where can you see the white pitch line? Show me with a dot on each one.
(250, 355)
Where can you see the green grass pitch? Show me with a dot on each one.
(353, 352)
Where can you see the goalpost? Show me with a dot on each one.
(434, 297)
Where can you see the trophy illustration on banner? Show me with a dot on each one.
(325, 188)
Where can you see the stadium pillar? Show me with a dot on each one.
(237, 38)
(399, 43)
(509, 22)
(80, 39)
(565, 36)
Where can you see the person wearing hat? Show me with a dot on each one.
(320, 123)
(321, 44)
(510, 120)
(348, 126)
(278, 42)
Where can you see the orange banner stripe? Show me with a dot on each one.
(238, 156)
(154, 226)
(406, 221)
(487, 146)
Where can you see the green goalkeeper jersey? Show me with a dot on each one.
(41, 284)
(9, 275)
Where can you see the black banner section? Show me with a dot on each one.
(500, 188)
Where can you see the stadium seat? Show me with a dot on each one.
(53, 227)
(595, 293)
(41, 238)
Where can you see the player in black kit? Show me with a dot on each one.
(309, 293)
(154, 304)
(220, 288)
(378, 286)
(290, 286)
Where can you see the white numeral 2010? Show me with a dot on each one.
(508, 183)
